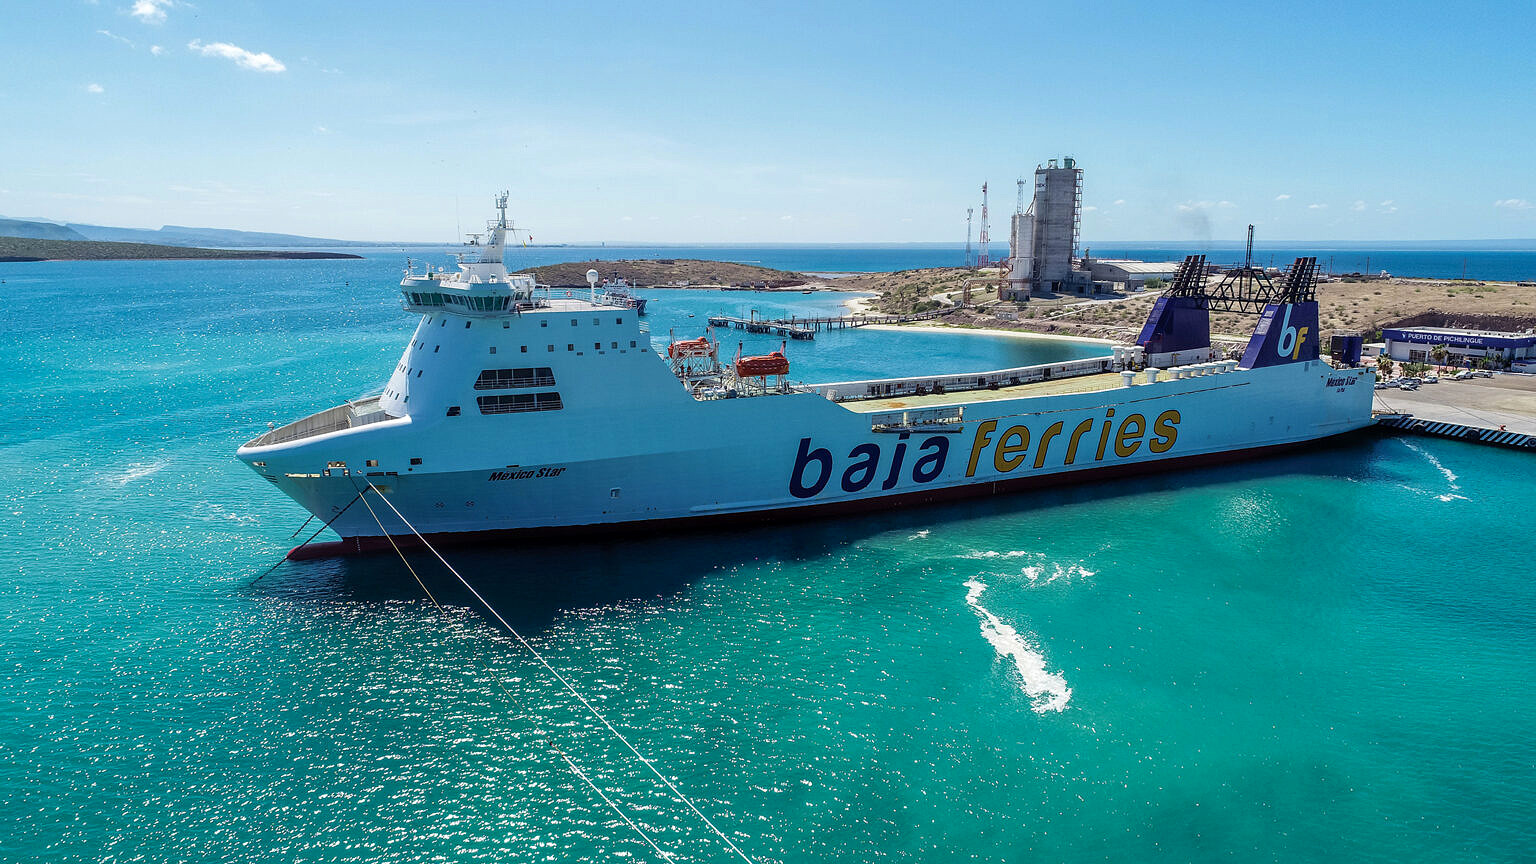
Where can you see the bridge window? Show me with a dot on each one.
(453, 410)
(493, 349)
(517, 403)
(544, 323)
(506, 379)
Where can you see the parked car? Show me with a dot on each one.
(1482, 373)
(1462, 375)
(1431, 378)
(1407, 385)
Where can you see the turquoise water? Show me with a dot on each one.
(1321, 657)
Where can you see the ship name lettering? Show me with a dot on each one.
(1010, 448)
(815, 467)
(527, 473)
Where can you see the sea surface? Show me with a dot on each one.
(1321, 657)
(1510, 261)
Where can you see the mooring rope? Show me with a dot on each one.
(327, 524)
(561, 678)
(496, 678)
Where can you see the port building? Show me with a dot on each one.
(1134, 275)
(1415, 344)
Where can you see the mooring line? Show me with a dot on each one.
(489, 673)
(561, 678)
(327, 524)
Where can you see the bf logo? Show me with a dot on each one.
(1291, 339)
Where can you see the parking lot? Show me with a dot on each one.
(1504, 401)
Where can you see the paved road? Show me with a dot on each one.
(1506, 400)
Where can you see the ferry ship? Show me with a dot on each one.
(520, 410)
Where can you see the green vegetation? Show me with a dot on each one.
(33, 249)
(1156, 283)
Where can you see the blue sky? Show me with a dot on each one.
(791, 122)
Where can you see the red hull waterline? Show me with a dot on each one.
(376, 544)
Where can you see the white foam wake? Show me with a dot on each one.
(1450, 476)
(1047, 690)
(136, 471)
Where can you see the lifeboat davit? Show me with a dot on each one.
(761, 367)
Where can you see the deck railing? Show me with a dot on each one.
(881, 388)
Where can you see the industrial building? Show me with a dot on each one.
(1044, 235)
(1134, 275)
(1414, 344)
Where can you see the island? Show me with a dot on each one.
(15, 249)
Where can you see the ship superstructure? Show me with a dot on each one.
(520, 409)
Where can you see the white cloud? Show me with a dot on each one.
(94, 88)
(1513, 204)
(1225, 204)
(321, 130)
(1119, 201)
(151, 11)
(262, 62)
(1284, 196)
(156, 50)
(1191, 206)
(1387, 206)
(1317, 206)
(1089, 209)
(1358, 206)
(786, 218)
(116, 38)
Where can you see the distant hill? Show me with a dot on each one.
(667, 272)
(38, 230)
(35, 249)
(181, 235)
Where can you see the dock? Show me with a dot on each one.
(1498, 411)
(1470, 434)
(777, 326)
(806, 328)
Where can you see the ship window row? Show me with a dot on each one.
(429, 298)
(504, 379)
(471, 302)
(516, 403)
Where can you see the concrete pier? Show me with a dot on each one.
(1499, 411)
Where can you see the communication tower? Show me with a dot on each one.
(968, 212)
(982, 258)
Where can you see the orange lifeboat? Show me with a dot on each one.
(761, 367)
(700, 347)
